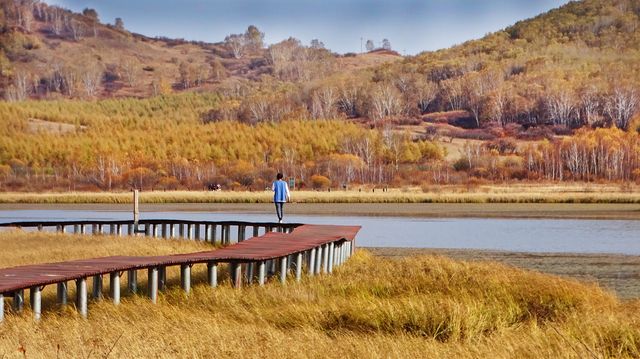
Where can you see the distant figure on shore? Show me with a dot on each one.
(280, 195)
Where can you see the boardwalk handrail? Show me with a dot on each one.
(323, 246)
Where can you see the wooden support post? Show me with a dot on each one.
(148, 230)
(35, 297)
(100, 229)
(112, 229)
(60, 228)
(76, 228)
(283, 270)
(61, 289)
(157, 228)
(181, 230)
(299, 266)
(82, 229)
(94, 229)
(185, 277)
(152, 284)
(130, 229)
(331, 249)
(118, 230)
(261, 272)
(162, 278)
(165, 231)
(97, 286)
(81, 296)
(172, 230)
(114, 287)
(132, 281)
(312, 262)
(212, 274)
(18, 300)
(256, 231)
(40, 228)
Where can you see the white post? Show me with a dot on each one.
(325, 258)
(35, 296)
(62, 293)
(318, 260)
(162, 278)
(299, 266)
(81, 296)
(185, 277)
(114, 287)
(97, 286)
(152, 282)
(212, 274)
(136, 209)
(261, 272)
(283, 270)
(18, 300)
(132, 278)
(331, 249)
(312, 261)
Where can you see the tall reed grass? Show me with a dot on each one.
(425, 306)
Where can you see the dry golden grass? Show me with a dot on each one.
(427, 306)
(508, 193)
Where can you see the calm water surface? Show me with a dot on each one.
(519, 235)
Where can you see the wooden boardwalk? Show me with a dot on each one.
(317, 247)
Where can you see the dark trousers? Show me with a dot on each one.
(280, 209)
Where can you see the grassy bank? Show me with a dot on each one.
(375, 307)
(437, 194)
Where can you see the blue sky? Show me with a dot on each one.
(412, 26)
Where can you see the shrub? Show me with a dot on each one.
(320, 181)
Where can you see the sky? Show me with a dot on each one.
(412, 26)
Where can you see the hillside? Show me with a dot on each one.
(48, 52)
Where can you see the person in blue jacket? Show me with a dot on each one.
(280, 195)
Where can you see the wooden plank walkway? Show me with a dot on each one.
(318, 247)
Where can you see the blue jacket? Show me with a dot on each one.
(280, 191)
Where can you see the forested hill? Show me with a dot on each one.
(575, 65)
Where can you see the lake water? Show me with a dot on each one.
(516, 235)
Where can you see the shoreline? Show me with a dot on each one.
(615, 272)
(592, 211)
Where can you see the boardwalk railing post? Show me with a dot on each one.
(18, 300)
(237, 275)
(261, 272)
(283, 270)
(114, 287)
(185, 277)
(132, 281)
(152, 282)
(312, 261)
(212, 274)
(35, 297)
(318, 266)
(241, 233)
(197, 234)
(81, 296)
(256, 231)
(62, 293)
(299, 266)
